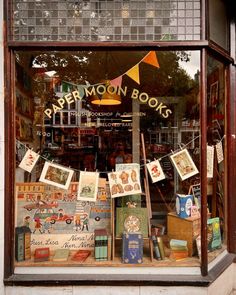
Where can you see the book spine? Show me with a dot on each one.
(161, 247)
(27, 246)
(97, 247)
(105, 244)
(109, 248)
(20, 246)
(156, 248)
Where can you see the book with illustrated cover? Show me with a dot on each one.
(41, 254)
(132, 248)
(213, 234)
(61, 255)
(81, 255)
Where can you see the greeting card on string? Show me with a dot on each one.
(219, 152)
(56, 175)
(184, 164)
(210, 161)
(124, 183)
(29, 161)
(155, 171)
(88, 186)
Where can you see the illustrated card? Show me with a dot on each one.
(155, 171)
(184, 164)
(219, 152)
(210, 161)
(88, 186)
(29, 161)
(56, 175)
(124, 182)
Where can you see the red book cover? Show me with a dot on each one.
(81, 255)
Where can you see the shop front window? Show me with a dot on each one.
(108, 157)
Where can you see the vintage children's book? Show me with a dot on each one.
(132, 248)
(213, 234)
(81, 255)
(101, 244)
(61, 255)
(155, 247)
(41, 254)
(19, 244)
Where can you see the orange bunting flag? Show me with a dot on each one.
(117, 81)
(151, 59)
(133, 73)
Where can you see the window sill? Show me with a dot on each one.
(173, 276)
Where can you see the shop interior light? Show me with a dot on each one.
(107, 98)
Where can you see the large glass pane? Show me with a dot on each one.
(109, 113)
(216, 126)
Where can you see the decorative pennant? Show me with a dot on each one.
(124, 183)
(210, 161)
(133, 73)
(155, 171)
(56, 175)
(184, 164)
(88, 186)
(117, 81)
(29, 161)
(151, 59)
(219, 152)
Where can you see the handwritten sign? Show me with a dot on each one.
(66, 241)
(196, 191)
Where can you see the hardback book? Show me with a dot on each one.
(81, 255)
(178, 255)
(101, 244)
(155, 247)
(213, 234)
(183, 205)
(161, 247)
(131, 220)
(61, 255)
(132, 248)
(27, 242)
(19, 244)
(178, 245)
(41, 254)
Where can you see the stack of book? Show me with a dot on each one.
(101, 244)
(179, 249)
(132, 248)
(22, 243)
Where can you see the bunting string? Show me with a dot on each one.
(18, 142)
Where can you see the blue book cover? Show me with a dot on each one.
(132, 248)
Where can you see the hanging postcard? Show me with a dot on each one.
(125, 182)
(184, 164)
(155, 171)
(219, 152)
(88, 186)
(210, 161)
(56, 175)
(29, 161)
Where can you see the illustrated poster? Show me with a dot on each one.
(155, 171)
(29, 161)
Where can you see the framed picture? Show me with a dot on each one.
(214, 93)
(88, 186)
(184, 164)
(56, 175)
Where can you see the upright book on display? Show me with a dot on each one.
(132, 248)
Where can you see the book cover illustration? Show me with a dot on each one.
(61, 255)
(132, 248)
(213, 234)
(131, 220)
(81, 255)
(183, 205)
